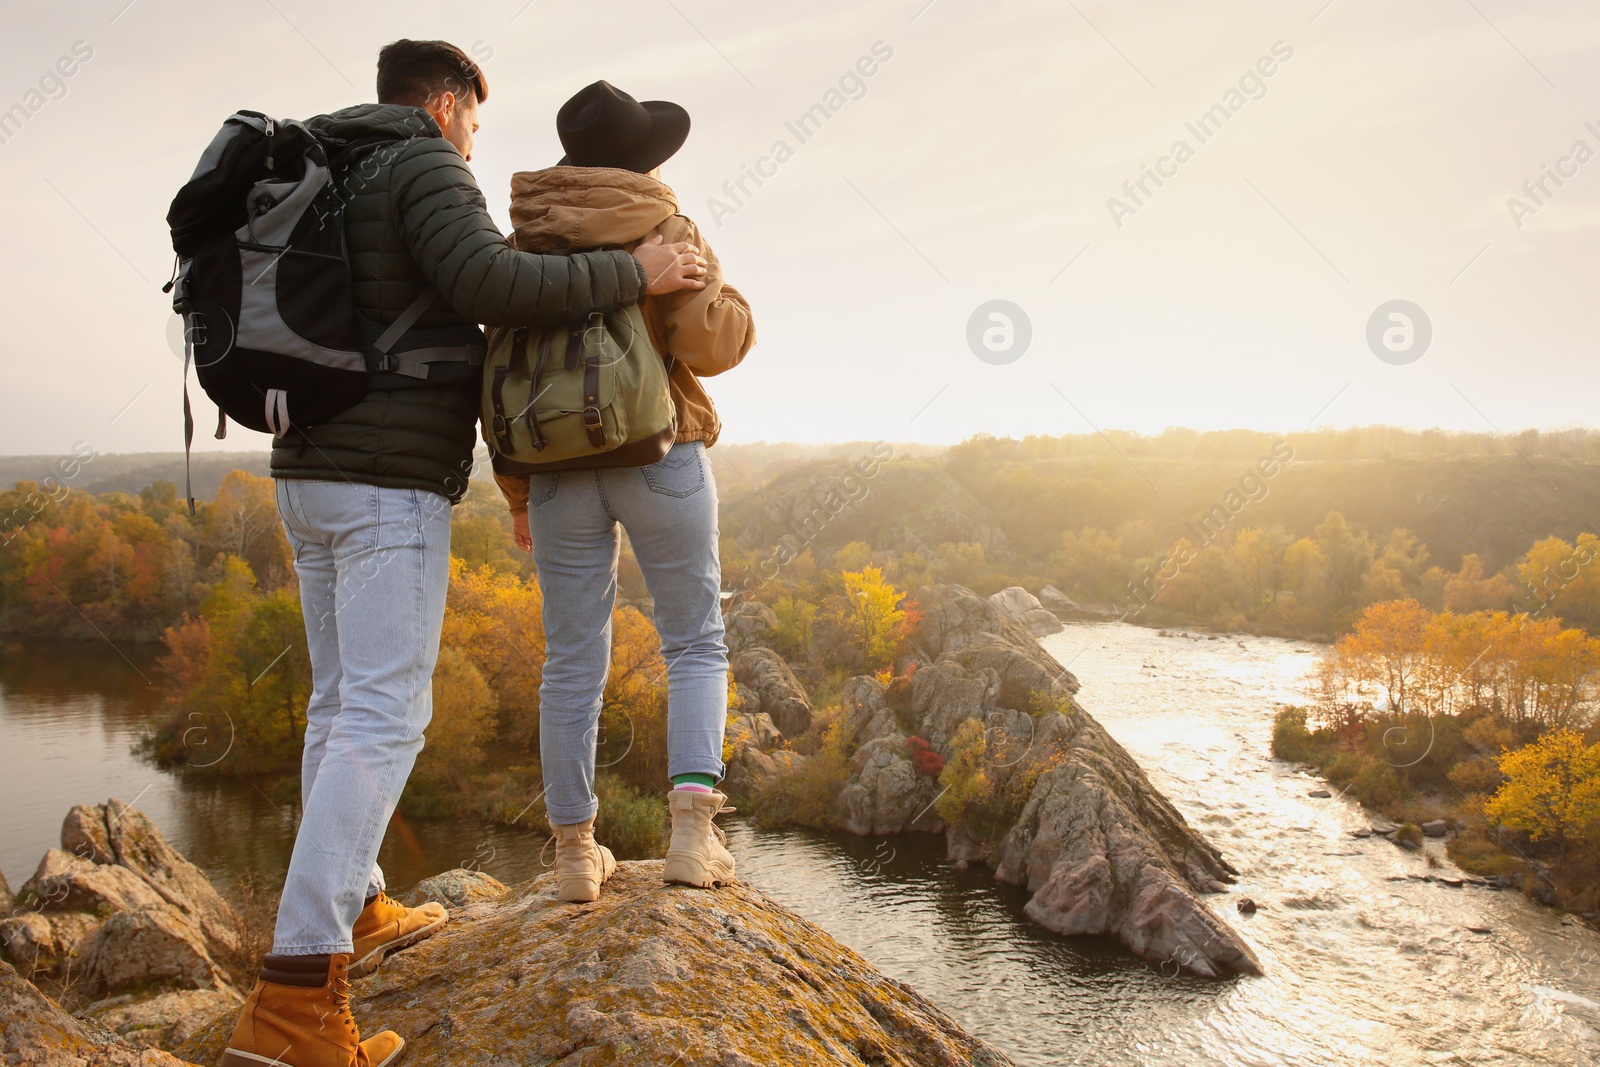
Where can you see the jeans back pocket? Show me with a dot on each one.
(680, 473)
(542, 488)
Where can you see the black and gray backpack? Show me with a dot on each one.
(263, 282)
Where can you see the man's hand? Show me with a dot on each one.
(519, 531)
(671, 267)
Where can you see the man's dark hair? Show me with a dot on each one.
(413, 72)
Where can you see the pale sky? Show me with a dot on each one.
(976, 163)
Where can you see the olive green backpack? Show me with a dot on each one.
(590, 394)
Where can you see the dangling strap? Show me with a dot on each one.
(534, 429)
(277, 412)
(188, 417)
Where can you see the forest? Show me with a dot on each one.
(1455, 589)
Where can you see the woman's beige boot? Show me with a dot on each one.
(582, 863)
(697, 854)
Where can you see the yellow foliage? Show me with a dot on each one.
(872, 614)
(1400, 659)
(963, 776)
(1552, 789)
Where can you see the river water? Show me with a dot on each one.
(1364, 964)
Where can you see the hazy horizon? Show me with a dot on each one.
(1337, 156)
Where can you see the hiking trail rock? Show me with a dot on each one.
(36, 1032)
(650, 974)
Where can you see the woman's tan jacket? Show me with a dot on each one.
(706, 331)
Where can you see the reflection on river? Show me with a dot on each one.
(1362, 969)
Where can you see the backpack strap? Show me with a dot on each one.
(591, 402)
(501, 426)
(407, 319)
(414, 362)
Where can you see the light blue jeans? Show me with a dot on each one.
(670, 512)
(373, 565)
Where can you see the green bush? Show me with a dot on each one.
(1343, 768)
(1410, 832)
(1376, 784)
(1292, 739)
(631, 822)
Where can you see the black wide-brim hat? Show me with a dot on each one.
(602, 126)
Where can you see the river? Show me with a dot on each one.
(1361, 968)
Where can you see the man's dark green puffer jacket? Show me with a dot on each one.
(415, 219)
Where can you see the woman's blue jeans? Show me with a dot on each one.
(670, 512)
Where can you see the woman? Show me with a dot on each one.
(606, 192)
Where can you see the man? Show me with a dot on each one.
(365, 500)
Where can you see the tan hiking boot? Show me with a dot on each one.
(697, 854)
(582, 863)
(298, 1015)
(386, 926)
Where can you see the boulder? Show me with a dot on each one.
(136, 844)
(1056, 600)
(164, 1020)
(152, 945)
(455, 889)
(1435, 828)
(37, 1032)
(885, 793)
(1024, 609)
(752, 731)
(648, 974)
(29, 942)
(749, 770)
(747, 739)
(748, 624)
(770, 688)
(47, 943)
(66, 882)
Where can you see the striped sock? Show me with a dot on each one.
(694, 782)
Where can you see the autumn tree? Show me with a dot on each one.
(463, 720)
(238, 678)
(1552, 790)
(866, 623)
(242, 520)
(496, 620)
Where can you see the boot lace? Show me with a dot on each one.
(339, 991)
(722, 837)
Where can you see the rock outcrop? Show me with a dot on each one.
(1100, 849)
(650, 974)
(748, 624)
(34, 1030)
(769, 688)
(1054, 599)
(1024, 609)
(117, 907)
